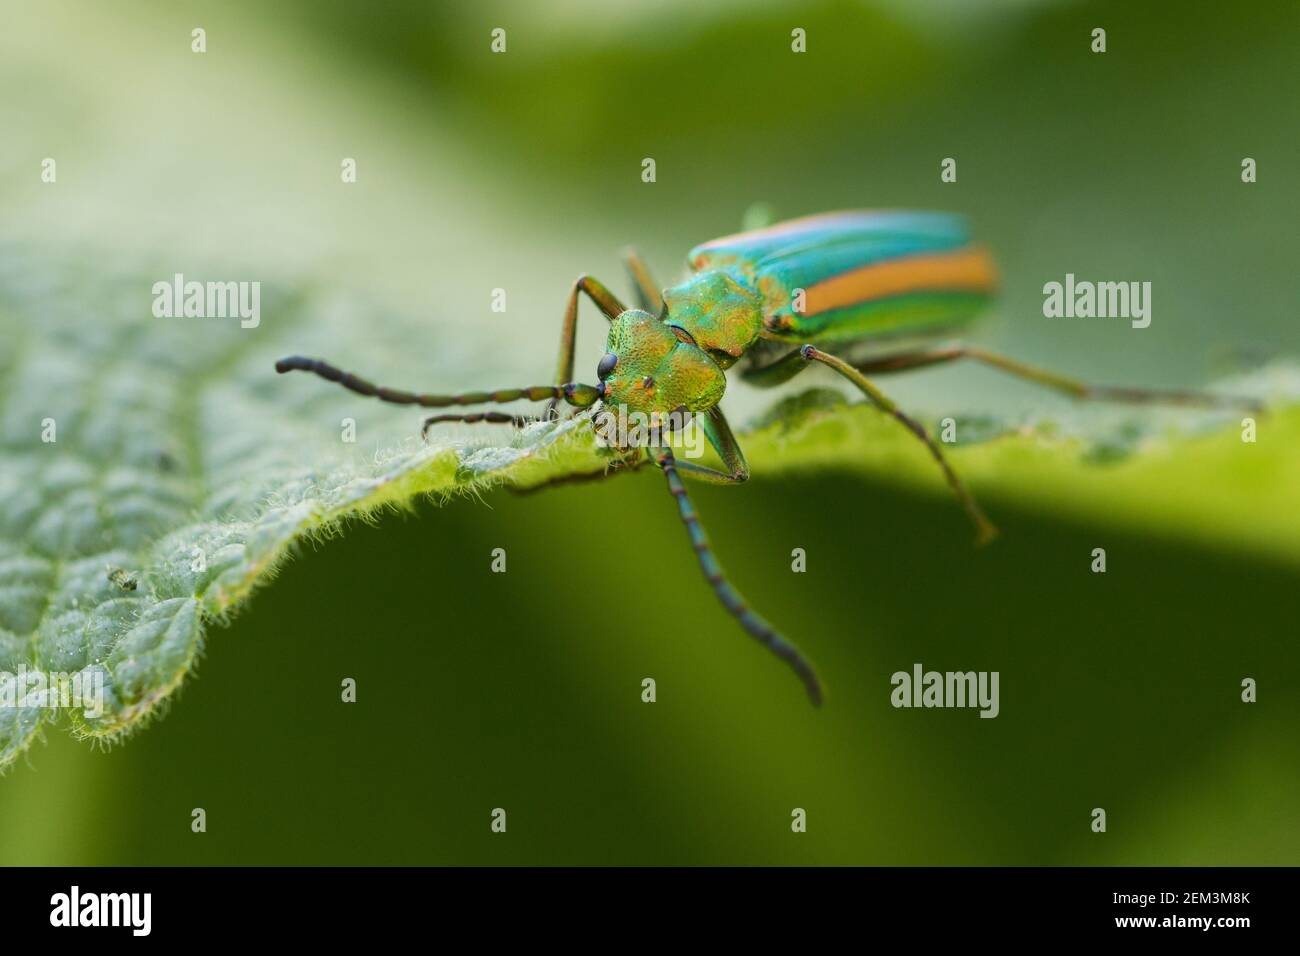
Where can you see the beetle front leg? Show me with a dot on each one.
(609, 306)
(605, 300)
(720, 436)
(753, 623)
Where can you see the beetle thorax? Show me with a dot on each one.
(722, 312)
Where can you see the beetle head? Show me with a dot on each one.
(651, 367)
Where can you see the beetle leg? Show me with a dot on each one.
(648, 297)
(749, 619)
(794, 362)
(1048, 379)
(984, 528)
(775, 372)
(609, 306)
(605, 300)
(719, 435)
(723, 440)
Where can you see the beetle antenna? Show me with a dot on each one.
(581, 396)
(473, 418)
(749, 619)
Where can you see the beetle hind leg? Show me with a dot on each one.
(1064, 384)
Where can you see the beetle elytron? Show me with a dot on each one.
(781, 299)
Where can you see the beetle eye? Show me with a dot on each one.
(606, 365)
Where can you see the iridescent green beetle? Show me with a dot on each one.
(779, 298)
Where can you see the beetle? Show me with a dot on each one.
(836, 289)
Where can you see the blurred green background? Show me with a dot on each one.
(522, 690)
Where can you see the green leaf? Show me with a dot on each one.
(182, 470)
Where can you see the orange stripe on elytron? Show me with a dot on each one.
(969, 269)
